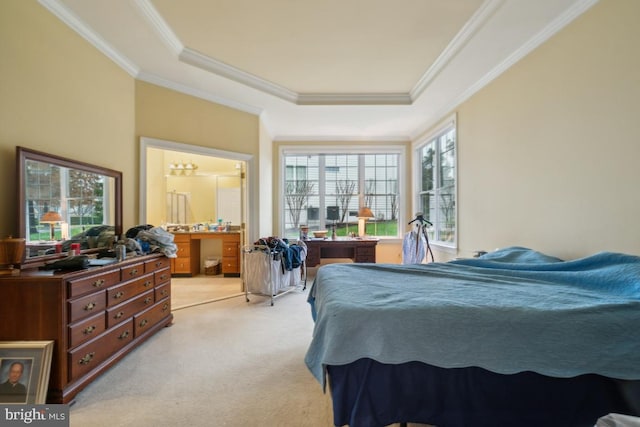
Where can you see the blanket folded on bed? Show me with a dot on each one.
(508, 311)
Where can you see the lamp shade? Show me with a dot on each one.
(51, 217)
(365, 213)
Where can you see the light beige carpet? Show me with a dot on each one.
(189, 291)
(227, 363)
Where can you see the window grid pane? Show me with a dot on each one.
(348, 180)
(437, 197)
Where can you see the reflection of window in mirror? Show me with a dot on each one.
(78, 199)
(63, 202)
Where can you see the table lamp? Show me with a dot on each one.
(11, 254)
(363, 215)
(51, 218)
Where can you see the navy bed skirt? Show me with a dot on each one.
(367, 393)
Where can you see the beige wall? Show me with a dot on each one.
(548, 153)
(60, 95)
(171, 116)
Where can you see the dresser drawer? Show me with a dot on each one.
(145, 320)
(86, 306)
(162, 276)
(120, 293)
(77, 287)
(127, 309)
(132, 271)
(90, 355)
(86, 329)
(163, 291)
(156, 264)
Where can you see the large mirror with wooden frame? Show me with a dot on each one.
(63, 201)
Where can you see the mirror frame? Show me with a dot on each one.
(23, 154)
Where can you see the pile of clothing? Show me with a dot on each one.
(292, 255)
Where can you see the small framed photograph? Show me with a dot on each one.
(24, 371)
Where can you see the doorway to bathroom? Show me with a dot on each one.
(187, 187)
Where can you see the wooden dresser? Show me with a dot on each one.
(95, 316)
(187, 262)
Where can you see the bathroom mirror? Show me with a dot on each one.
(62, 201)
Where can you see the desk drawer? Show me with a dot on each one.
(183, 250)
(230, 265)
(366, 254)
(182, 265)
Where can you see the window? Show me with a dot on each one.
(437, 185)
(323, 189)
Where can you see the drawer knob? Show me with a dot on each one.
(124, 335)
(147, 283)
(90, 306)
(89, 330)
(159, 264)
(163, 292)
(165, 306)
(118, 295)
(163, 276)
(143, 323)
(133, 272)
(119, 315)
(98, 283)
(147, 300)
(87, 358)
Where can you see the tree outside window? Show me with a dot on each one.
(336, 186)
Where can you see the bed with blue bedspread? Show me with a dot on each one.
(512, 338)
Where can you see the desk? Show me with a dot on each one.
(188, 261)
(359, 250)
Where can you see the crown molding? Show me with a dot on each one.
(158, 23)
(72, 21)
(343, 138)
(354, 99)
(475, 23)
(202, 94)
(197, 59)
(547, 32)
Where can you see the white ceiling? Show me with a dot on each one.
(322, 70)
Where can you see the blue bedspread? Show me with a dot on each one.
(509, 311)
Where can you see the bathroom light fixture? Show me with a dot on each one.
(182, 168)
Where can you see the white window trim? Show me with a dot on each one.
(350, 149)
(447, 123)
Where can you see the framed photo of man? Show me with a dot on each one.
(24, 371)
